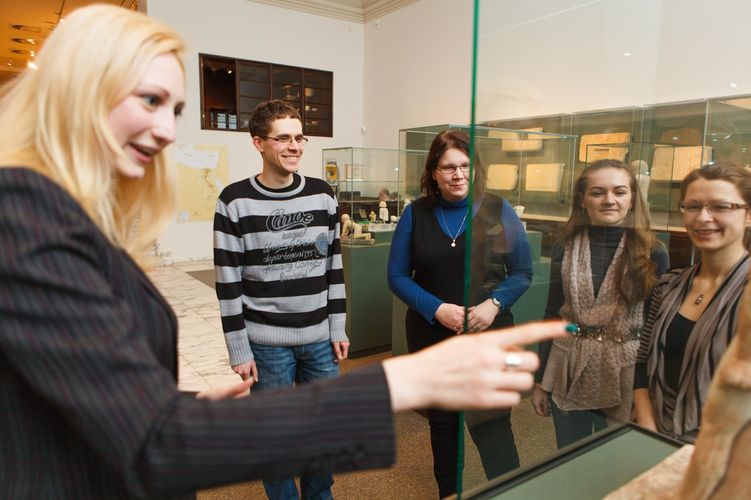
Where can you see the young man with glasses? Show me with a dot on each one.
(279, 275)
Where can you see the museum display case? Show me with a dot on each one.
(530, 77)
(368, 183)
(359, 175)
(728, 129)
(532, 169)
(662, 143)
(591, 461)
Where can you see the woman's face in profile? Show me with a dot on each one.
(607, 197)
(144, 122)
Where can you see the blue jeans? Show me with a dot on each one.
(280, 367)
(575, 425)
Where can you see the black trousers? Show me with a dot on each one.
(575, 425)
(494, 438)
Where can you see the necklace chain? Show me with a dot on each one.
(453, 238)
(710, 288)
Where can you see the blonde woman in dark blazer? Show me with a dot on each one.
(88, 358)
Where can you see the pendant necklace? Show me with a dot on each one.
(453, 238)
(699, 299)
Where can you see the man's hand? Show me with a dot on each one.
(247, 370)
(237, 390)
(341, 350)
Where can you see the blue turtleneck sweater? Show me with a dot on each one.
(518, 259)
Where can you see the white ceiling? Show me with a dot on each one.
(38, 17)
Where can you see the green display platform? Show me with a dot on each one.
(588, 470)
(368, 298)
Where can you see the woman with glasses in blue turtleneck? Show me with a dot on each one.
(601, 274)
(426, 271)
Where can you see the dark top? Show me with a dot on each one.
(88, 365)
(437, 269)
(675, 345)
(603, 242)
(447, 220)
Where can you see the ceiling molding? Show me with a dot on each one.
(380, 8)
(358, 11)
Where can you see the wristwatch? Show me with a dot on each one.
(496, 303)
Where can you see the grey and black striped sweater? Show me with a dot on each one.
(278, 263)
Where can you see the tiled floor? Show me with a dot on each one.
(201, 349)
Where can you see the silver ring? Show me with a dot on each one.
(512, 361)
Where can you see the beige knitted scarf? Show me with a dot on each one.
(586, 373)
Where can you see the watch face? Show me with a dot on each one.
(496, 302)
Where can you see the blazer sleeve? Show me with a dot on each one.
(73, 345)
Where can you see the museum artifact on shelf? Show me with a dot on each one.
(383, 211)
(601, 152)
(513, 142)
(352, 232)
(673, 164)
(503, 176)
(544, 177)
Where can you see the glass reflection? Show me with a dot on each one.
(624, 96)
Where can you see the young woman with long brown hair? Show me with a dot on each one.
(602, 272)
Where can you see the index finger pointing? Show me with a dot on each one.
(527, 333)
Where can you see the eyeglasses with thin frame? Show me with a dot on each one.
(287, 139)
(715, 208)
(451, 169)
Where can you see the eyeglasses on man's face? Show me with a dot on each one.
(287, 139)
(716, 208)
(451, 169)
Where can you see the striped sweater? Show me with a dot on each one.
(278, 263)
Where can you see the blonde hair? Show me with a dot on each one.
(55, 120)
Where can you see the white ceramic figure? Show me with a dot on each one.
(641, 169)
(383, 211)
(352, 230)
